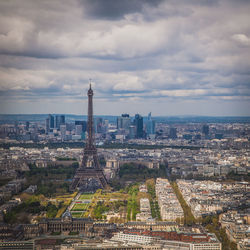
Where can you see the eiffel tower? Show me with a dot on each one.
(89, 176)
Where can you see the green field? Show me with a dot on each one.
(80, 207)
(76, 214)
(86, 196)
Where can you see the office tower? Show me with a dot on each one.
(57, 118)
(63, 132)
(84, 125)
(35, 127)
(106, 126)
(149, 116)
(106, 123)
(17, 130)
(205, 130)
(70, 126)
(138, 122)
(123, 121)
(98, 125)
(47, 126)
(60, 120)
(119, 122)
(27, 126)
(89, 176)
(132, 132)
(51, 121)
(173, 133)
(79, 130)
(126, 121)
(150, 125)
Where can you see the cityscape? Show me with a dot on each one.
(124, 124)
(140, 183)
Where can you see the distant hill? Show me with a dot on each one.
(7, 118)
(11, 118)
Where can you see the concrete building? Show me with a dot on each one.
(120, 236)
(170, 207)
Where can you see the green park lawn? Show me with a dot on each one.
(80, 207)
(76, 214)
(86, 196)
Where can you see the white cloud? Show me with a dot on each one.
(242, 39)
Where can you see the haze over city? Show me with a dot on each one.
(167, 57)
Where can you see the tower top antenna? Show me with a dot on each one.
(90, 83)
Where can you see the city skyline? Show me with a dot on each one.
(167, 57)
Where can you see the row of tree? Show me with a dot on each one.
(210, 222)
(132, 205)
(212, 225)
(155, 210)
(81, 144)
(99, 209)
(188, 215)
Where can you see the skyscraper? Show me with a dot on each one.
(27, 125)
(132, 132)
(78, 130)
(173, 133)
(98, 125)
(205, 131)
(60, 120)
(83, 123)
(106, 126)
(51, 121)
(150, 126)
(47, 127)
(123, 121)
(138, 122)
(63, 131)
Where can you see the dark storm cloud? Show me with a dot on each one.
(114, 9)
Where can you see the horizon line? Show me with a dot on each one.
(186, 115)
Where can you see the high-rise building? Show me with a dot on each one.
(150, 125)
(106, 126)
(138, 122)
(173, 133)
(126, 121)
(123, 121)
(79, 130)
(83, 124)
(27, 125)
(205, 130)
(98, 124)
(51, 121)
(47, 127)
(63, 131)
(60, 120)
(132, 132)
(149, 116)
(57, 120)
(119, 122)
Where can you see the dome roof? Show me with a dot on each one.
(67, 215)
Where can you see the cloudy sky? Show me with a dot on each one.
(170, 57)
